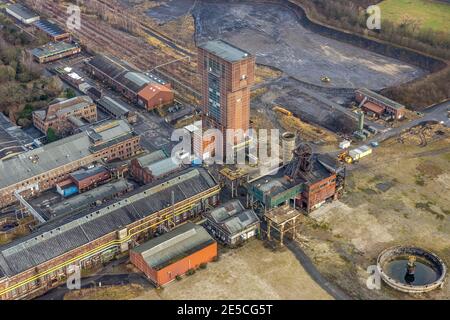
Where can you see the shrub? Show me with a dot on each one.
(178, 277)
(190, 272)
(203, 265)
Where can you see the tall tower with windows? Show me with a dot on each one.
(227, 75)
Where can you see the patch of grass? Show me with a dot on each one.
(369, 191)
(428, 14)
(426, 206)
(124, 292)
(429, 169)
(419, 180)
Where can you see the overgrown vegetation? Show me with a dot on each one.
(23, 88)
(351, 15)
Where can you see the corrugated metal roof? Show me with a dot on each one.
(113, 106)
(233, 217)
(84, 200)
(163, 167)
(49, 28)
(24, 12)
(383, 99)
(225, 211)
(55, 238)
(82, 174)
(174, 245)
(149, 158)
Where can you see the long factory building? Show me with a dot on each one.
(37, 170)
(34, 264)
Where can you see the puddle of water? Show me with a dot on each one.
(424, 273)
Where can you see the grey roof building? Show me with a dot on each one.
(13, 140)
(58, 237)
(231, 223)
(22, 13)
(122, 73)
(86, 200)
(62, 152)
(113, 107)
(174, 245)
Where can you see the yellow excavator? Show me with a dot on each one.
(345, 157)
(325, 79)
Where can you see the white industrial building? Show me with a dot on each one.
(22, 13)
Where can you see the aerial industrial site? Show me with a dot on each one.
(224, 150)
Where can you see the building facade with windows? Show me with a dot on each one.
(227, 75)
(34, 171)
(61, 116)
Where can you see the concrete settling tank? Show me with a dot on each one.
(411, 269)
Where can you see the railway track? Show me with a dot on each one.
(182, 77)
(151, 31)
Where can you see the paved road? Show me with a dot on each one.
(104, 277)
(309, 266)
(436, 113)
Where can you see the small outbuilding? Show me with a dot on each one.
(173, 254)
(232, 224)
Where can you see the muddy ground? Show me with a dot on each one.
(397, 196)
(274, 34)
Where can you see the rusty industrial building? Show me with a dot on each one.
(146, 90)
(171, 255)
(306, 183)
(64, 116)
(372, 102)
(37, 170)
(227, 74)
(36, 263)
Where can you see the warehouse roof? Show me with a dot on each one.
(382, 99)
(227, 210)
(149, 158)
(53, 48)
(53, 239)
(12, 138)
(60, 153)
(174, 245)
(109, 66)
(374, 107)
(84, 200)
(50, 28)
(123, 73)
(113, 106)
(232, 217)
(225, 50)
(83, 174)
(164, 167)
(22, 11)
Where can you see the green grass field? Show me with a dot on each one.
(430, 14)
